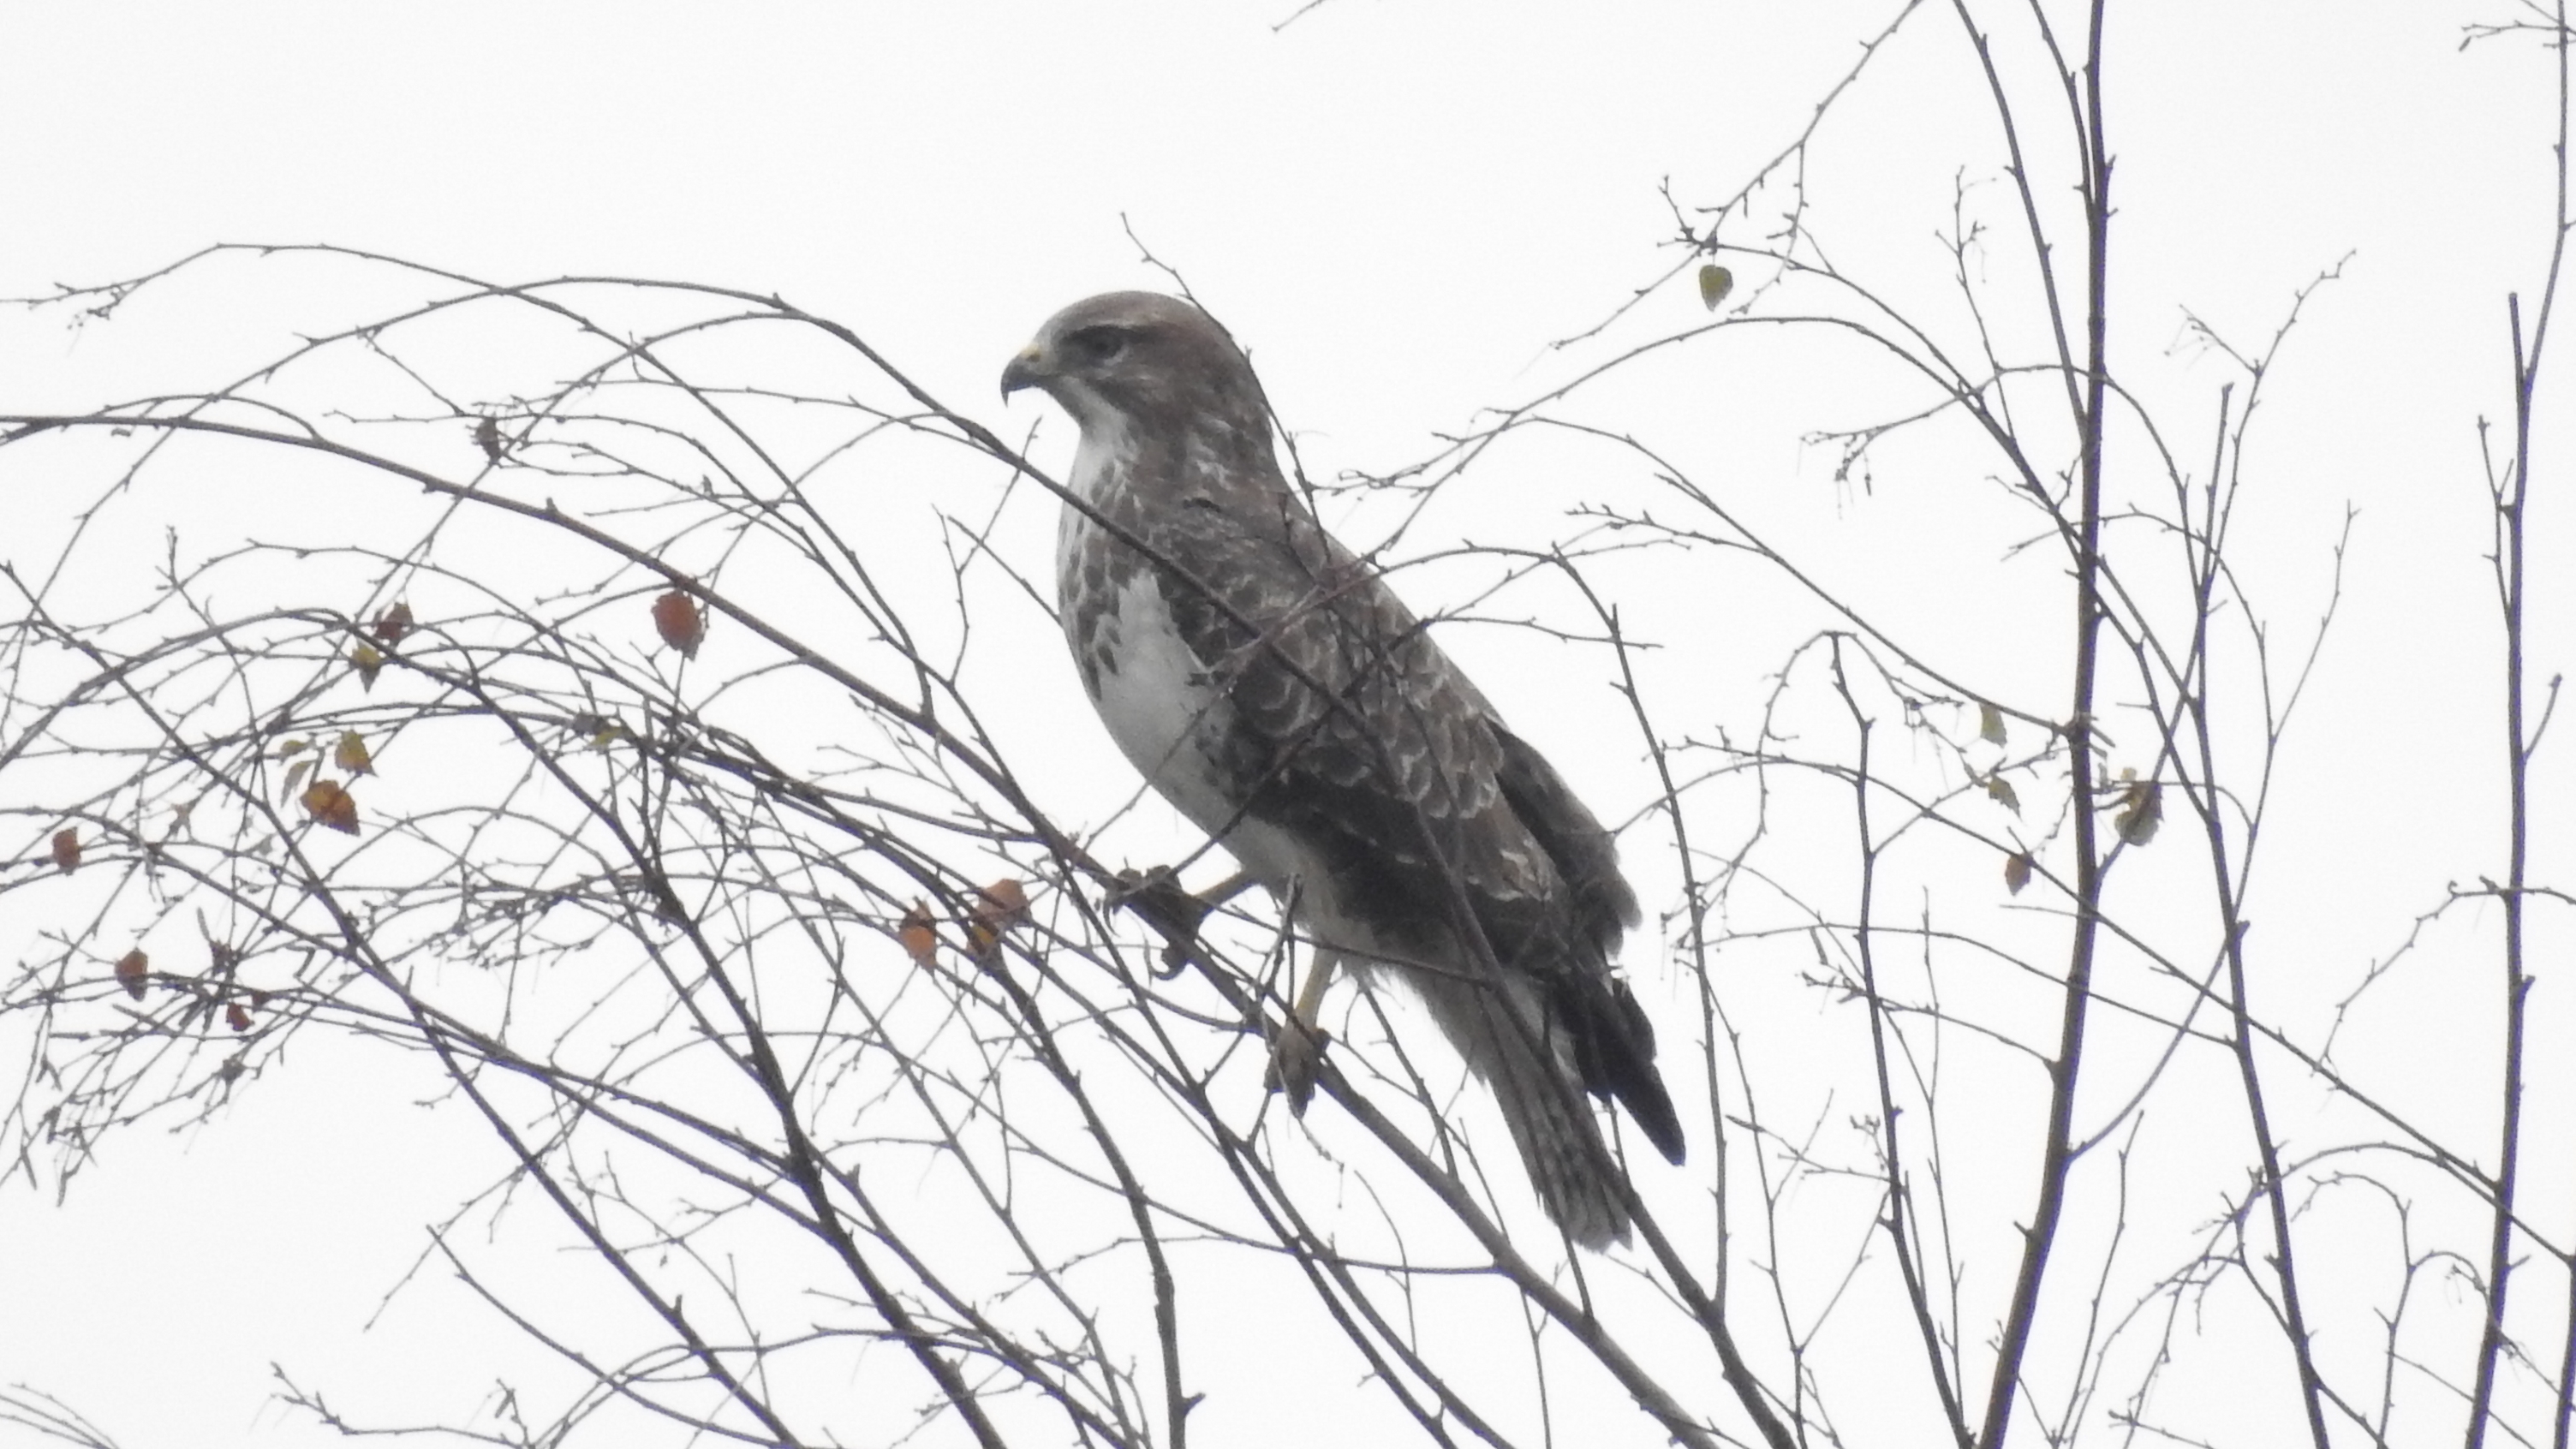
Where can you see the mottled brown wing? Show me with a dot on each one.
(1585, 855)
(1363, 739)
(1371, 747)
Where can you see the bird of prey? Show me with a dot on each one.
(1273, 688)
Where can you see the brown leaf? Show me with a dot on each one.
(676, 618)
(393, 624)
(2141, 810)
(350, 754)
(2017, 867)
(67, 850)
(919, 940)
(369, 662)
(328, 803)
(998, 907)
(133, 969)
(236, 1016)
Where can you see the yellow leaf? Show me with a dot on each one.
(350, 754)
(2141, 810)
(2000, 790)
(1990, 723)
(367, 660)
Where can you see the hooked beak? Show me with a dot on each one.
(1026, 370)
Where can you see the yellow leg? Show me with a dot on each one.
(1299, 1049)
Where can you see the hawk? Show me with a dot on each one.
(1272, 687)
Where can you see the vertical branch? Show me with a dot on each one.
(2207, 799)
(2517, 985)
(2511, 493)
(2058, 1159)
(1864, 944)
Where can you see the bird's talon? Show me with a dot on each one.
(1296, 1054)
(1158, 897)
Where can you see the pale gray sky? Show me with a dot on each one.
(1398, 205)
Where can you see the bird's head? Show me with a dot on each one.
(1127, 358)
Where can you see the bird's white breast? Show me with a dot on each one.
(1167, 714)
(1105, 450)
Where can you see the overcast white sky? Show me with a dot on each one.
(1396, 204)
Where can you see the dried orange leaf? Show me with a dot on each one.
(676, 618)
(66, 850)
(329, 804)
(236, 1016)
(2140, 812)
(998, 907)
(2001, 791)
(919, 941)
(133, 969)
(1005, 900)
(2017, 868)
(350, 754)
(392, 624)
(368, 661)
(1990, 723)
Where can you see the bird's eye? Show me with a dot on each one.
(1099, 344)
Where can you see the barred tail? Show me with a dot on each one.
(1532, 1077)
(1568, 1161)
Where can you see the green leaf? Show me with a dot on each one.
(1714, 283)
(2001, 791)
(2141, 811)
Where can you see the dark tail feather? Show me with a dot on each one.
(1615, 1052)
